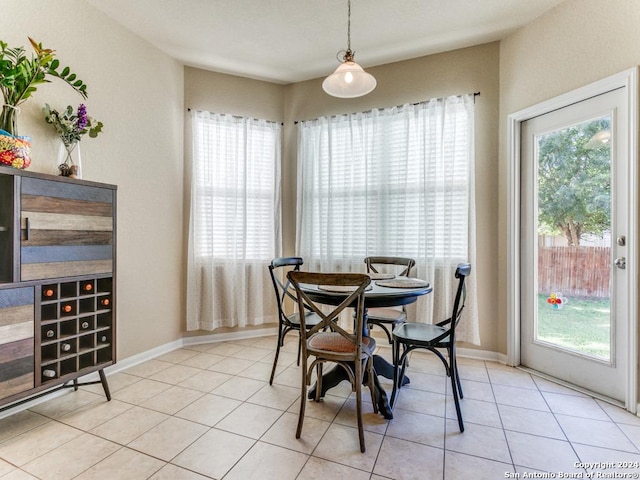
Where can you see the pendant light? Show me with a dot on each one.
(349, 80)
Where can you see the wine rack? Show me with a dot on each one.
(76, 326)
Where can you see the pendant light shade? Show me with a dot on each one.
(349, 80)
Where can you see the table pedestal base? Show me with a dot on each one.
(380, 366)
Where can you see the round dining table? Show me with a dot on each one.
(382, 292)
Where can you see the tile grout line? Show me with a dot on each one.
(504, 431)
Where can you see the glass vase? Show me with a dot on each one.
(69, 160)
(8, 119)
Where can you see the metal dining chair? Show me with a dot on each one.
(328, 342)
(410, 336)
(388, 317)
(278, 269)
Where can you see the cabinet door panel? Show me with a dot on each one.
(16, 341)
(67, 229)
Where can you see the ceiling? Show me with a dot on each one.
(285, 41)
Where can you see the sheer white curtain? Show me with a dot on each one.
(234, 222)
(397, 182)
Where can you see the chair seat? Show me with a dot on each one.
(420, 333)
(334, 342)
(390, 315)
(310, 318)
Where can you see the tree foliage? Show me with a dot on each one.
(574, 181)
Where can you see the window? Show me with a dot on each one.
(397, 182)
(234, 220)
(237, 186)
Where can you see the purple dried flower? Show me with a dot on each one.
(82, 120)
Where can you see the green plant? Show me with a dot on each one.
(20, 75)
(71, 126)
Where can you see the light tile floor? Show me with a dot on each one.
(208, 411)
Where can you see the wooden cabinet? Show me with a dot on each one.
(57, 282)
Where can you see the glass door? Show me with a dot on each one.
(574, 228)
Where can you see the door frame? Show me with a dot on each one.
(628, 79)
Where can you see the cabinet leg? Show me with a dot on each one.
(105, 385)
(75, 384)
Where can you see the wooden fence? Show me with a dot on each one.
(575, 271)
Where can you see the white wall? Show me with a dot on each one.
(137, 92)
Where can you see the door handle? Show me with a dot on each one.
(621, 263)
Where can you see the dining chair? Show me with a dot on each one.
(278, 269)
(328, 342)
(378, 267)
(411, 336)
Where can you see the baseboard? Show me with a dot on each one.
(225, 337)
(482, 355)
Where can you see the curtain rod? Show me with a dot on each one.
(240, 116)
(475, 94)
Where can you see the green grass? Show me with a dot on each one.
(583, 325)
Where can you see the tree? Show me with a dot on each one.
(574, 181)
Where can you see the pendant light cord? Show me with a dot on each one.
(348, 25)
(347, 56)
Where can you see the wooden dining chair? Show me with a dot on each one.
(278, 269)
(388, 317)
(410, 336)
(328, 342)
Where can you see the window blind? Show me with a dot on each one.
(234, 222)
(236, 187)
(396, 182)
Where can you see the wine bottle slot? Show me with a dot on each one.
(49, 373)
(85, 325)
(50, 334)
(103, 339)
(65, 347)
